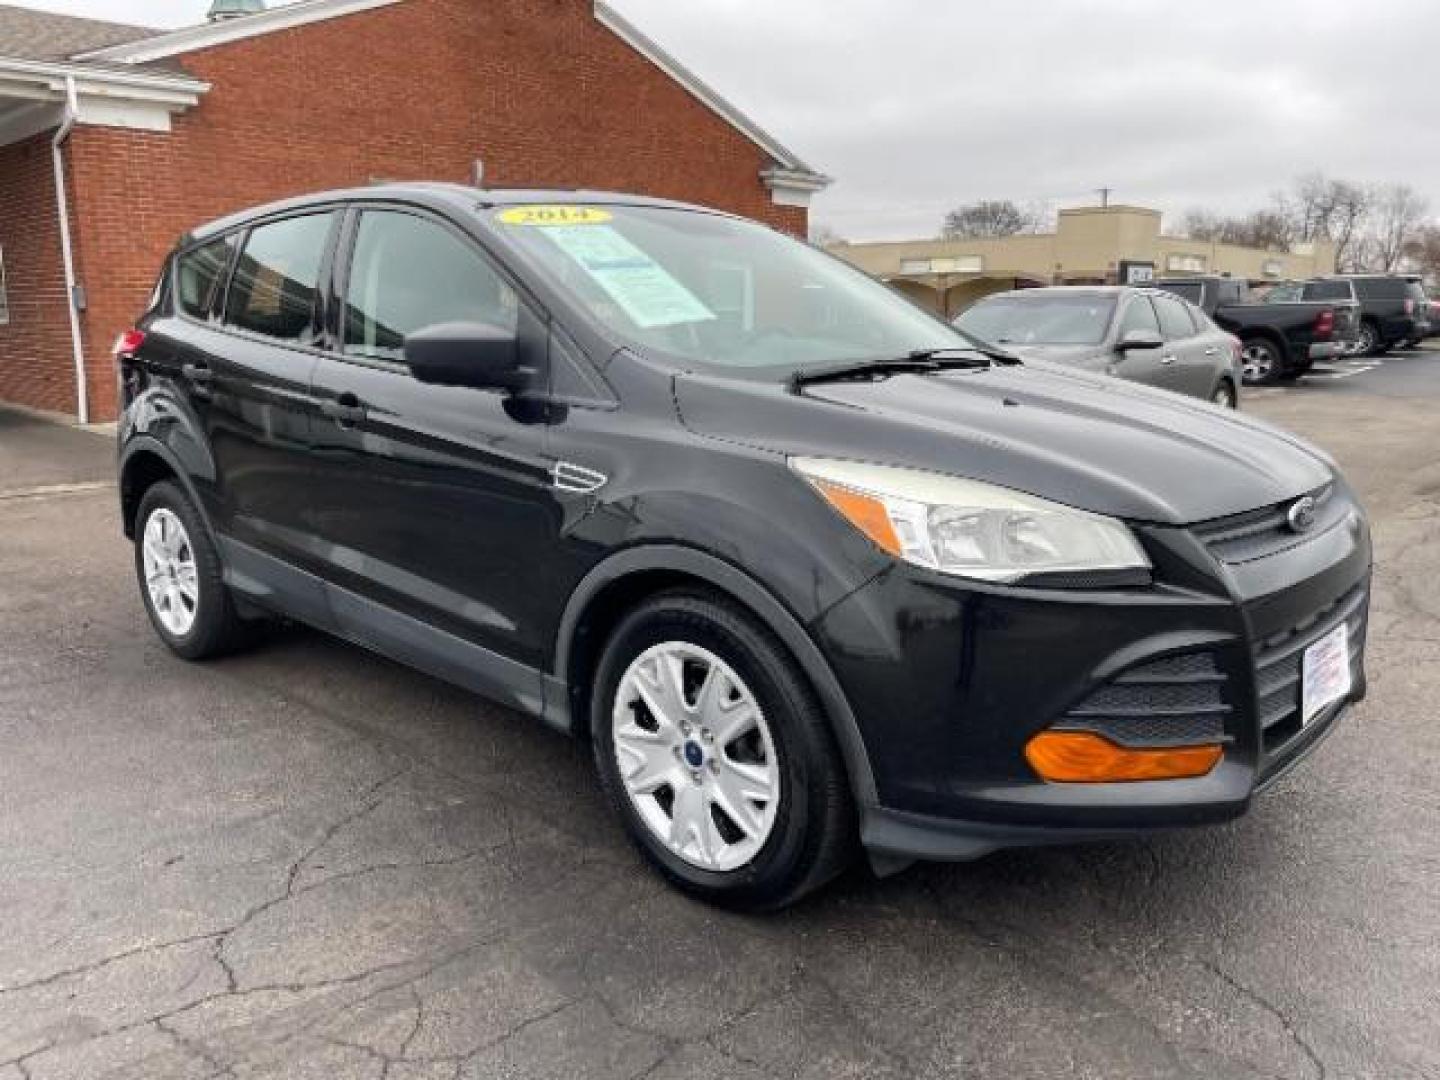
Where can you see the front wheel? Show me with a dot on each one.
(1260, 362)
(717, 756)
(1225, 395)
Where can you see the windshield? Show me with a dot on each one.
(722, 292)
(1040, 319)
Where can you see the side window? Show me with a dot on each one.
(410, 272)
(1174, 321)
(1199, 318)
(273, 289)
(1327, 290)
(199, 273)
(1139, 315)
(1231, 292)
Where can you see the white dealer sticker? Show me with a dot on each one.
(1326, 672)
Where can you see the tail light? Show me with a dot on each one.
(1325, 324)
(1409, 306)
(1238, 348)
(129, 375)
(128, 344)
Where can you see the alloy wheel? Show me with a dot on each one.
(171, 579)
(1257, 361)
(696, 756)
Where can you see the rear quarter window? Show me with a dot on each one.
(199, 274)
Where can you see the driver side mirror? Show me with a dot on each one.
(472, 354)
(1139, 339)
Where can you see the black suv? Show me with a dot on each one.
(1394, 309)
(807, 565)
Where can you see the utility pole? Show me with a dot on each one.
(1104, 197)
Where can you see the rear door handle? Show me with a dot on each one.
(1212, 351)
(345, 410)
(1169, 358)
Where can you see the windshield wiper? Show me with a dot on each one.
(918, 362)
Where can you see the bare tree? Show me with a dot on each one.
(1270, 229)
(1319, 208)
(1350, 209)
(823, 236)
(1203, 225)
(985, 220)
(1424, 251)
(1399, 214)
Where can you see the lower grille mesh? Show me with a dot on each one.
(1175, 701)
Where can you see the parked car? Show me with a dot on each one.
(1140, 334)
(807, 566)
(1394, 309)
(1280, 338)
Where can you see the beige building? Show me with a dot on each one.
(1090, 245)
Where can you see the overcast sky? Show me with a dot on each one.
(915, 106)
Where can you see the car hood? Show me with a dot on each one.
(1088, 441)
(1094, 357)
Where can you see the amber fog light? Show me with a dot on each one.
(1082, 757)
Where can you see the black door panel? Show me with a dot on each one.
(434, 501)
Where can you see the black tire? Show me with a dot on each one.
(1263, 363)
(1370, 342)
(813, 835)
(217, 628)
(1224, 395)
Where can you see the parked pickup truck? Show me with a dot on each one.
(1278, 340)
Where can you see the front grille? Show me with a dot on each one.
(1258, 534)
(1175, 701)
(1279, 661)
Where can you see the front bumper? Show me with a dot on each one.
(949, 680)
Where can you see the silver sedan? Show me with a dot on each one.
(1145, 335)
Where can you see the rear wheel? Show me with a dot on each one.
(1225, 396)
(1260, 362)
(716, 755)
(181, 581)
(1368, 343)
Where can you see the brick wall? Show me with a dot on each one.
(538, 89)
(36, 362)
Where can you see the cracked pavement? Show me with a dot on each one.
(305, 861)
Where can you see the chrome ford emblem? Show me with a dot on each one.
(1301, 514)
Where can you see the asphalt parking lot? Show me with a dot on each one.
(308, 862)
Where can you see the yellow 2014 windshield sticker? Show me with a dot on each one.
(555, 215)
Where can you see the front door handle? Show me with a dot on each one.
(345, 410)
(1169, 358)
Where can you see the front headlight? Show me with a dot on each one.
(969, 528)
